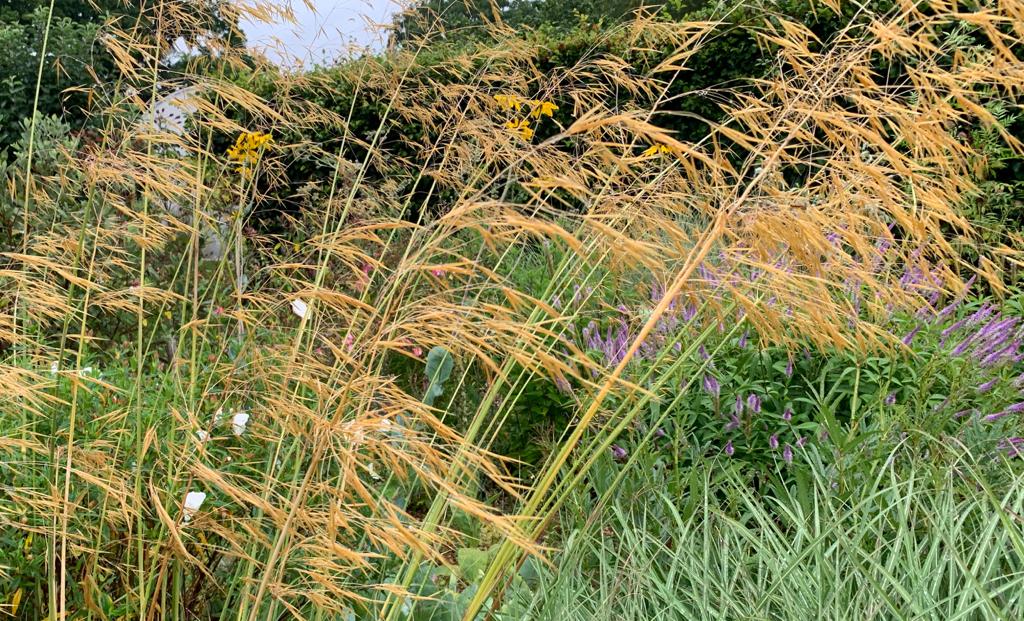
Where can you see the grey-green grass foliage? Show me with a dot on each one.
(908, 541)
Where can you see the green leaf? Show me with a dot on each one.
(439, 369)
(473, 563)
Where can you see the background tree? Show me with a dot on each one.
(75, 64)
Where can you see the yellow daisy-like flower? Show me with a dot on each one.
(656, 149)
(248, 148)
(522, 128)
(509, 102)
(540, 107)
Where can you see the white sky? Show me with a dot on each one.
(324, 35)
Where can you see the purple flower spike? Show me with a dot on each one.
(963, 345)
(787, 415)
(711, 386)
(729, 450)
(754, 403)
(951, 329)
(890, 399)
(618, 453)
(738, 408)
(1016, 408)
(909, 338)
(773, 442)
(787, 454)
(987, 386)
(948, 310)
(1014, 446)
(801, 441)
(733, 423)
(742, 343)
(660, 433)
(789, 367)
(981, 313)
(991, 418)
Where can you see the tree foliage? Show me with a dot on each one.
(75, 63)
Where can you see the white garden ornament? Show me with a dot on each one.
(193, 501)
(170, 112)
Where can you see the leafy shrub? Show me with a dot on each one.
(70, 64)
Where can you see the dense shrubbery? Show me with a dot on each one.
(739, 53)
(74, 75)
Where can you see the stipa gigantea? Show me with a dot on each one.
(319, 424)
(804, 120)
(296, 515)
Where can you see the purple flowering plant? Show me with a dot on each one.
(767, 405)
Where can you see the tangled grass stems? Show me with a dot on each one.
(777, 204)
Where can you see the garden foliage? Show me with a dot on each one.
(762, 332)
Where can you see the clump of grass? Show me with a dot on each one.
(940, 539)
(145, 238)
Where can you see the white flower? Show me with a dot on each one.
(85, 371)
(238, 422)
(299, 307)
(203, 435)
(193, 500)
(54, 367)
(373, 472)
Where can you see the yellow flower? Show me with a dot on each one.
(541, 108)
(509, 102)
(248, 148)
(522, 128)
(656, 149)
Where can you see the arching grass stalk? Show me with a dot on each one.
(253, 605)
(565, 275)
(33, 124)
(562, 278)
(24, 323)
(625, 414)
(508, 553)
